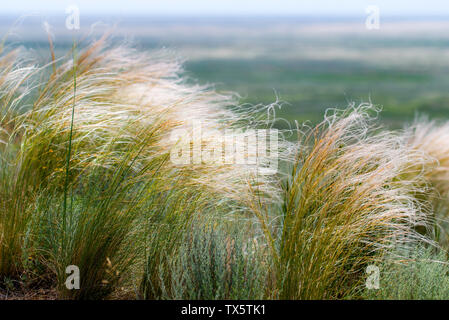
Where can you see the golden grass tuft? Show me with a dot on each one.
(347, 203)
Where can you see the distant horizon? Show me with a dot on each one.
(231, 7)
(305, 17)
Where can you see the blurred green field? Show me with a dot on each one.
(309, 65)
(310, 87)
(406, 77)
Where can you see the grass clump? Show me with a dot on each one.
(346, 203)
(86, 174)
(96, 233)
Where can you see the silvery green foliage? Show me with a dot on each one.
(216, 262)
(424, 276)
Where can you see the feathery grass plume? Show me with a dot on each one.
(345, 203)
(15, 192)
(431, 138)
(119, 84)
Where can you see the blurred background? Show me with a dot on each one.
(310, 55)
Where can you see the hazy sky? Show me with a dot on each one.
(230, 7)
